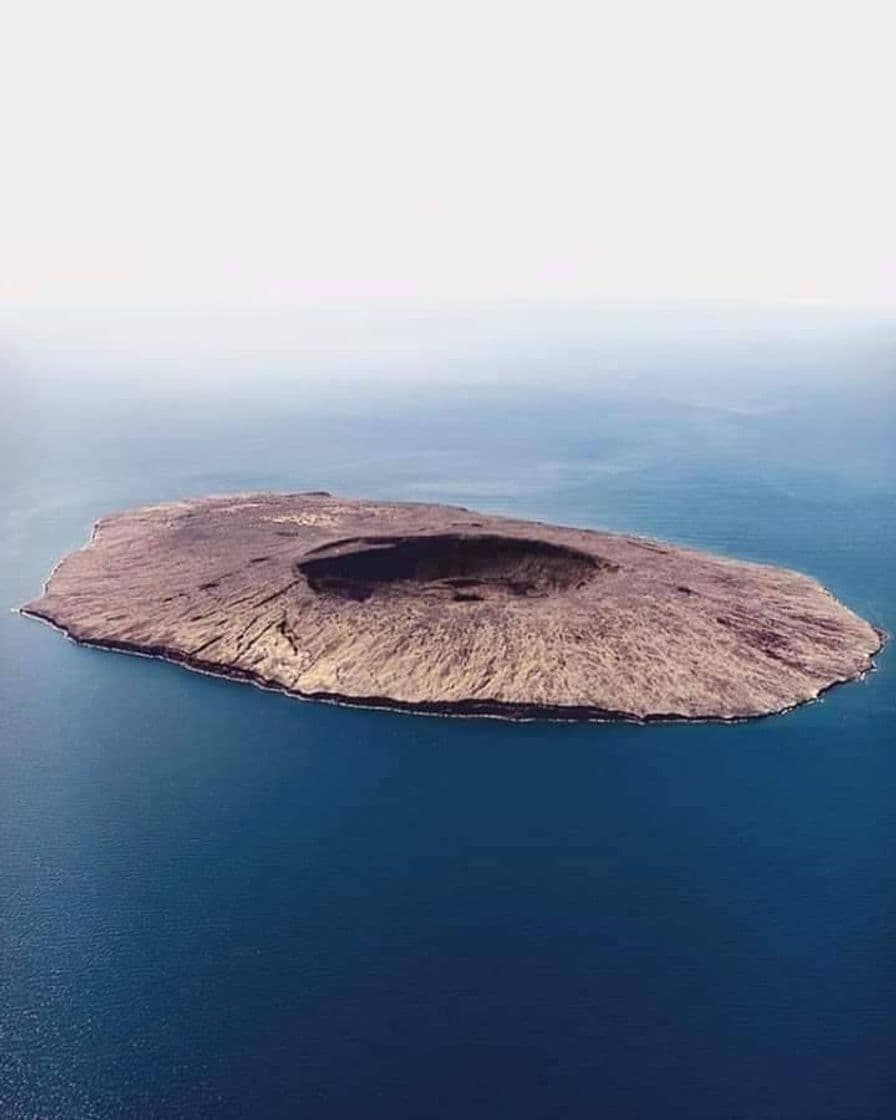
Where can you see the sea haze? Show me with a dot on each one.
(220, 902)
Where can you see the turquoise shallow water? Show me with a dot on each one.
(220, 902)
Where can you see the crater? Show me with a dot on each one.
(466, 568)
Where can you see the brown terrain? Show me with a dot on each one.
(438, 609)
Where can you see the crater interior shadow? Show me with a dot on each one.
(463, 567)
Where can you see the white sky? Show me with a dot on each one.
(258, 153)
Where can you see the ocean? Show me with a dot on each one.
(221, 902)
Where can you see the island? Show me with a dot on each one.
(437, 609)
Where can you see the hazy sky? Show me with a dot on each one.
(330, 152)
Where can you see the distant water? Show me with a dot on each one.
(218, 902)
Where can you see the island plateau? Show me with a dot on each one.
(434, 608)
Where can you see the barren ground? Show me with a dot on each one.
(436, 608)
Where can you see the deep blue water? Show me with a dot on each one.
(218, 902)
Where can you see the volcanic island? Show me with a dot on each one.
(436, 609)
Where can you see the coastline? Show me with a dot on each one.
(464, 709)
